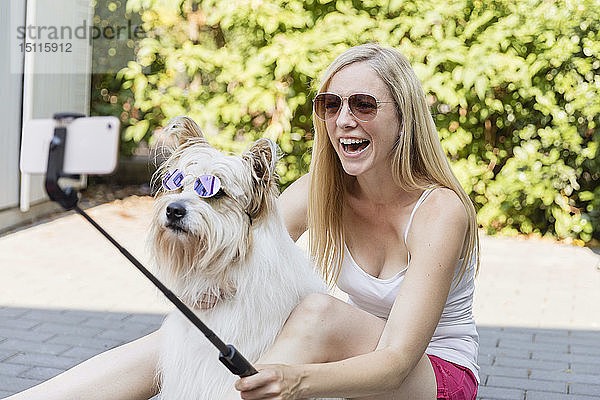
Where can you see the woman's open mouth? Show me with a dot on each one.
(354, 146)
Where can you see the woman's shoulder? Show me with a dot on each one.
(442, 205)
(441, 218)
(293, 204)
(444, 195)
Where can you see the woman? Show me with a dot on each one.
(390, 224)
(392, 227)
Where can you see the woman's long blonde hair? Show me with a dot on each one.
(418, 161)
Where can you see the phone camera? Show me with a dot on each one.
(109, 126)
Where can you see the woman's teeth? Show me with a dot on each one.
(354, 146)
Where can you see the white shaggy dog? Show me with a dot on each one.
(229, 257)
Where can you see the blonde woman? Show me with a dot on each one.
(388, 223)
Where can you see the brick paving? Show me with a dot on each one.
(66, 295)
(37, 344)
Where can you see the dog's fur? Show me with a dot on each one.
(235, 247)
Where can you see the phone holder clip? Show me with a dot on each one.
(67, 197)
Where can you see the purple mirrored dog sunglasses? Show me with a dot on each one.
(205, 186)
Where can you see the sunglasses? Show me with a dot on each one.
(362, 105)
(205, 185)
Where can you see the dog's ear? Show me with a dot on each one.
(181, 129)
(262, 158)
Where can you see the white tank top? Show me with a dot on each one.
(455, 339)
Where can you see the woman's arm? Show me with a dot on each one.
(435, 242)
(293, 204)
(124, 373)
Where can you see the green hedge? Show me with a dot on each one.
(513, 88)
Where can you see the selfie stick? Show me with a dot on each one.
(68, 199)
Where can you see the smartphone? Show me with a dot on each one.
(91, 147)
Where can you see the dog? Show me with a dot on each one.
(222, 247)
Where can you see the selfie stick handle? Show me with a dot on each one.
(68, 199)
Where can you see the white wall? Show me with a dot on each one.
(36, 85)
(66, 89)
(10, 107)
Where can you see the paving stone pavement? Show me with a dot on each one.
(37, 344)
(66, 295)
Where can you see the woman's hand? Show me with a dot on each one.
(272, 382)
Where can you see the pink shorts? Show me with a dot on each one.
(454, 382)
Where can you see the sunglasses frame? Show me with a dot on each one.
(170, 173)
(347, 98)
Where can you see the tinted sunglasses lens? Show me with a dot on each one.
(172, 180)
(207, 185)
(327, 105)
(363, 106)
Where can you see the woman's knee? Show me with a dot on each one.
(312, 312)
(326, 321)
(331, 329)
(307, 326)
(316, 306)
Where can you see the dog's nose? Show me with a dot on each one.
(175, 211)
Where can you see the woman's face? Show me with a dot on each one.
(362, 146)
